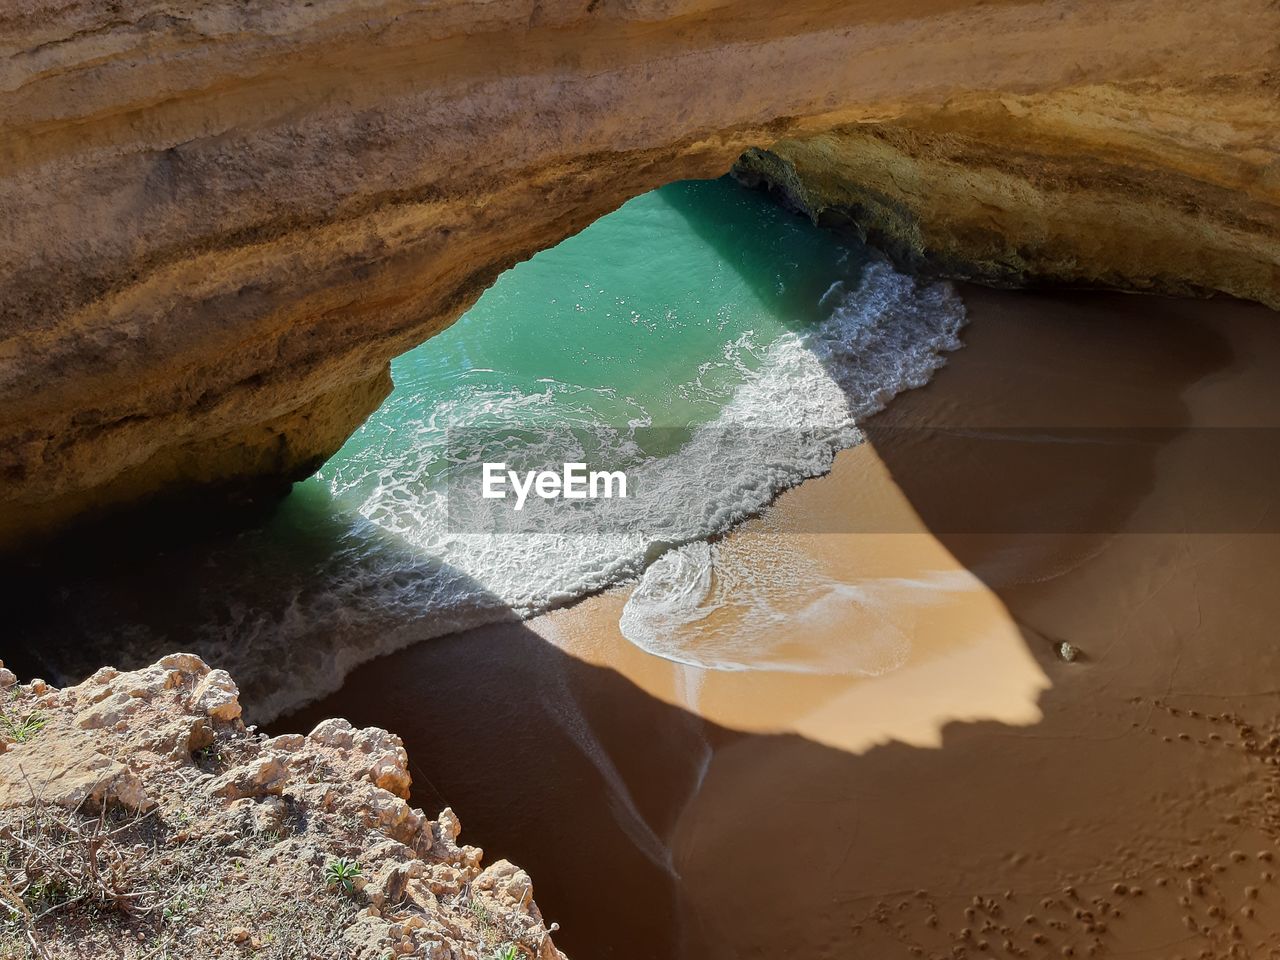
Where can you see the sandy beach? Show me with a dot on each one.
(640, 480)
(915, 765)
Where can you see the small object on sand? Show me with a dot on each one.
(1067, 651)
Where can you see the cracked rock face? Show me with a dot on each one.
(222, 220)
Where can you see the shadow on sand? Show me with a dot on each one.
(653, 833)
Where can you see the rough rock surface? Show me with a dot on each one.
(1164, 189)
(222, 219)
(138, 817)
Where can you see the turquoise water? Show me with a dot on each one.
(715, 346)
(651, 316)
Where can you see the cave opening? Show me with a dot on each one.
(714, 672)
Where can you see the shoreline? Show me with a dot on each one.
(1145, 749)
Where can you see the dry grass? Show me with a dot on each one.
(135, 885)
(55, 859)
(18, 723)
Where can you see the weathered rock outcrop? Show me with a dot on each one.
(138, 817)
(221, 220)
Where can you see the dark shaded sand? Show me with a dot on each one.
(941, 783)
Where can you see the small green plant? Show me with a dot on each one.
(509, 952)
(342, 873)
(175, 911)
(208, 756)
(46, 892)
(21, 729)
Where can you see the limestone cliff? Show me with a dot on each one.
(222, 219)
(1131, 185)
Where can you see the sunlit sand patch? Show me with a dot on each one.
(849, 639)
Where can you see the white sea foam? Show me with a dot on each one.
(784, 423)
(887, 336)
(405, 574)
(735, 605)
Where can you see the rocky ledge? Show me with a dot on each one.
(223, 219)
(140, 818)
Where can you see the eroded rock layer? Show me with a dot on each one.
(222, 221)
(1132, 186)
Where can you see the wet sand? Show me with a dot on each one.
(913, 769)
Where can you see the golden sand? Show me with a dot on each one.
(913, 768)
